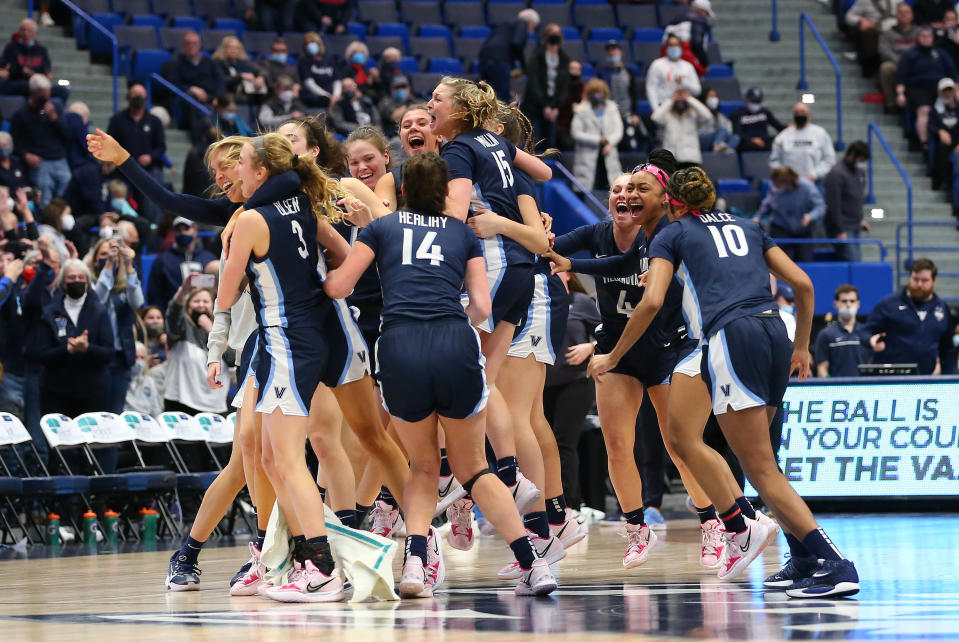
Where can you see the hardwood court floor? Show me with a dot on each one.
(908, 564)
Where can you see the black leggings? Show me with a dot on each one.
(565, 407)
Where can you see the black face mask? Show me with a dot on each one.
(680, 106)
(75, 289)
(154, 329)
(138, 102)
(195, 315)
(553, 39)
(800, 120)
(573, 78)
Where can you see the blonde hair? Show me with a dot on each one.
(220, 53)
(230, 146)
(117, 188)
(119, 282)
(274, 152)
(312, 36)
(374, 137)
(476, 99)
(596, 84)
(693, 188)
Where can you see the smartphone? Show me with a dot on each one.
(203, 281)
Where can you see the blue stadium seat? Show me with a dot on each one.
(397, 29)
(377, 44)
(589, 16)
(645, 52)
(589, 71)
(357, 29)
(727, 88)
(553, 12)
(132, 7)
(375, 12)
(130, 39)
(636, 16)
(435, 31)
(258, 42)
(465, 12)
(719, 71)
(173, 8)
(235, 24)
(189, 22)
(419, 12)
(746, 202)
(445, 66)
(602, 34)
(97, 41)
(643, 108)
(732, 185)
(498, 11)
(647, 35)
(467, 48)
(730, 106)
(172, 37)
(426, 48)
(146, 62)
(409, 65)
(480, 32)
(147, 20)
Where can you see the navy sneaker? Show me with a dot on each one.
(243, 569)
(832, 578)
(796, 569)
(182, 575)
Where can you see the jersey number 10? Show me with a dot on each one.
(426, 251)
(733, 239)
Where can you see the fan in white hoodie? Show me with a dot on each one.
(665, 75)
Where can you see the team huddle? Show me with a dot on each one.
(446, 270)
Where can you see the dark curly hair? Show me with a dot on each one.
(693, 188)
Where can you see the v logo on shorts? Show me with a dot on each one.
(535, 340)
(725, 389)
(279, 391)
(362, 355)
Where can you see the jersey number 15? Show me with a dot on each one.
(425, 251)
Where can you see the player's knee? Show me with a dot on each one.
(247, 439)
(427, 466)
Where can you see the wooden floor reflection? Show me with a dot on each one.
(909, 567)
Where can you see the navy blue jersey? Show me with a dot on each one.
(720, 260)
(487, 160)
(843, 350)
(286, 286)
(617, 288)
(422, 260)
(367, 295)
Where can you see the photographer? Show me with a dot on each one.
(189, 319)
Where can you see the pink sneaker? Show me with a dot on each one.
(250, 582)
(549, 548)
(460, 515)
(569, 532)
(310, 585)
(640, 539)
(386, 521)
(538, 580)
(712, 551)
(742, 548)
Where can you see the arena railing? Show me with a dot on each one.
(871, 130)
(109, 35)
(774, 29)
(903, 267)
(176, 91)
(883, 252)
(588, 197)
(805, 20)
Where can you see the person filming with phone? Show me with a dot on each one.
(174, 264)
(189, 319)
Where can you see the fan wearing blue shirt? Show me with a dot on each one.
(843, 344)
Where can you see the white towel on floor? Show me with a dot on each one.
(366, 559)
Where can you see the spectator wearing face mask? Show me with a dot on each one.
(667, 74)
(623, 85)
(320, 74)
(694, 32)
(845, 186)
(352, 109)
(277, 64)
(283, 106)
(679, 117)
(144, 395)
(914, 325)
(173, 265)
(356, 56)
(151, 331)
(844, 343)
(574, 96)
(74, 344)
(944, 131)
(381, 76)
(547, 82)
(392, 107)
(752, 121)
(226, 118)
(917, 79)
(792, 205)
(805, 147)
(189, 318)
(715, 133)
(504, 49)
(596, 129)
(142, 134)
(13, 172)
(118, 288)
(56, 222)
(785, 298)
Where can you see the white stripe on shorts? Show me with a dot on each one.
(727, 390)
(281, 391)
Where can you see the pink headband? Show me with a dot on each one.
(660, 175)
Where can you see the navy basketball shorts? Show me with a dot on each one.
(289, 365)
(651, 365)
(541, 331)
(369, 319)
(245, 368)
(690, 358)
(431, 367)
(350, 357)
(511, 288)
(746, 364)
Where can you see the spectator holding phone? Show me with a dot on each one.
(189, 318)
(118, 288)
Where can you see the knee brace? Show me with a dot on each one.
(472, 480)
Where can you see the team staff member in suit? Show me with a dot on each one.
(746, 361)
(431, 366)
(482, 180)
(913, 325)
(843, 344)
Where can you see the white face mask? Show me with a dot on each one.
(286, 96)
(753, 107)
(847, 314)
(67, 222)
(712, 102)
(862, 166)
(10, 203)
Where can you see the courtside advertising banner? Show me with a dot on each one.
(876, 437)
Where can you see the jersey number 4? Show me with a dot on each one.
(732, 239)
(426, 250)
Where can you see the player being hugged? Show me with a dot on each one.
(431, 366)
(723, 263)
(274, 247)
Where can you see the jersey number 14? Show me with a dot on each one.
(426, 250)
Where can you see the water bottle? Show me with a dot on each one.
(111, 525)
(148, 524)
(90, 527)
(53, 529)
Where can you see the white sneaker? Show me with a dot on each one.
(460, 516)
(771, 524)
(742, 548)
(435, 566)
(712, 551)
(385, 520)
(250, 582)
(538, 580)
(640, 539)
(525, 493)
(550, 549)
(449, 491)
(310, 585)
(569, 532)
(414, 582)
